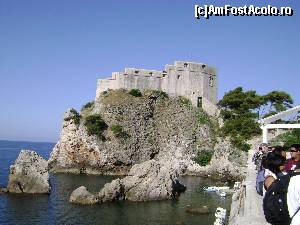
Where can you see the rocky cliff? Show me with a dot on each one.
(138, 129)
(29, 174)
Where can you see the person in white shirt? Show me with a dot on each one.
(293, 198)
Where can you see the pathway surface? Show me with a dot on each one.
(246, 208)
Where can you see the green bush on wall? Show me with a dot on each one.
(135, 92)
(203, 158)
(95, 125)
(118, 131)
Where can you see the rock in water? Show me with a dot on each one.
(112, 191)
(29, 174)
(151, 180)
(201, 210)
(82, 196)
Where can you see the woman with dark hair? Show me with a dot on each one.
(274, 168)
(279, 150)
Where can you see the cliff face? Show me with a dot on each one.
(152, 126)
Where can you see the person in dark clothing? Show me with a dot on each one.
(275, 168)
(295, 158)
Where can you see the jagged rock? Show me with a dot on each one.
(201, 210)
(147, 181)
(151, 180)
(112, 191)
(227, 163)
(29, 174)
(3, 190)
(82, 196)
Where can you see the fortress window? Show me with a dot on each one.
(199, 102)
(178, 76)
(185, 64)
(136, 72)
(203, 66)
(211, 81)
(193, 92)
(164, 75)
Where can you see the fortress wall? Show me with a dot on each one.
(170, 83)
(143, 72)
(195, 81)
(104, 85)
(133, 81)
(209, 87)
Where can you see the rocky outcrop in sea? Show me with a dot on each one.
(148, 181)
(82, 196)
(29, 174)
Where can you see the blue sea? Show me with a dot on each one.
(54, 208)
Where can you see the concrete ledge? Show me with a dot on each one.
(246, 207)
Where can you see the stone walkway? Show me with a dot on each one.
(246, 208)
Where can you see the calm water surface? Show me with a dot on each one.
(55, 209)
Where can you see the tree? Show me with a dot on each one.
(237, 101)
(275, 101)
(241, 110)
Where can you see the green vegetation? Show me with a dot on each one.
(241, 110)
(135, 92)
(203, 158)
(185, 102)
(160, 94)
(95, 125)
(203, 118)
(75, 117)
(288, 138)
(119, 118)
(118, 131)
(88, 105)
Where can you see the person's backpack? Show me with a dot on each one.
(275, 201)
(260, 178)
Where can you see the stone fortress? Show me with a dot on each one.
(195, 81)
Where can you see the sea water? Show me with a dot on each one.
(55, 208)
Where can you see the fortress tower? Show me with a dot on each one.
(195, 81)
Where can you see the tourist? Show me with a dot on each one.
(295, 158)
(274, 168)
(293, 198)
(259, 154)
(279, 150)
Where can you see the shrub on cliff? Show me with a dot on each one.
(203, 118)
(118, 131)
(135, 92)
(160, 94)
(185, 102)
(74, 116)
(203, 158)
(95, 125)
(87, 105)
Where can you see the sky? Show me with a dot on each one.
(52, 52)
